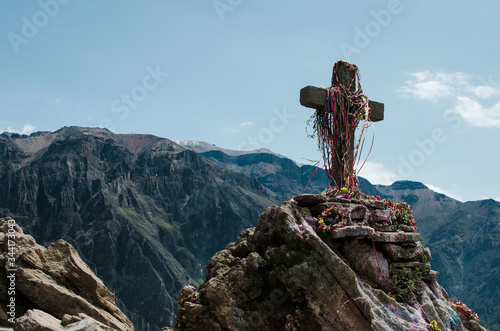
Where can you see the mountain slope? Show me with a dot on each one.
(202, 147)
(281, 176)
(142, 211)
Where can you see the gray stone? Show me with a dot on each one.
(384, 228)
(359, 213)
(406, 228)
(396, 237)
(37, 320)
(185, 292)
(369, 232)
(375, 204)
(87, 324)
(427, 253)
(337, 201)
(69, 319)
(433, 274)
(398, 253)
(367, 261)
(381, 215)
(241, 247)
(351, 231)
(309, 199)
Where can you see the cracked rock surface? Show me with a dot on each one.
(54, 288)
(285, 274)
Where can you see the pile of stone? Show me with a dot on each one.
(288, 274)
(373, 244)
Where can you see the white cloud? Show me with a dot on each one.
(429, 86)
(498, 199)
(456, 87)
(421, 76)
(484, 92)
(377, 174)
(430, 90)
(476, 114)
(445, 192)
(246, 123)
(453, 79)
(27, 129)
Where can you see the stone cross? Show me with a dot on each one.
(316, 98)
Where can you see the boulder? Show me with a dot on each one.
(351, 231)
(375, 204)
(53, 286)
(399, 253)
(396, 237)
(309, 199)
(367, 261)
(37, 320)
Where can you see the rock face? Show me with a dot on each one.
(465, 241)
(287, 273)
(142, 212)
(51, 288)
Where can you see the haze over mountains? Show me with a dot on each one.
(147, 213)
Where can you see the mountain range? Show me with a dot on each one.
(147, 213)
(143, 212)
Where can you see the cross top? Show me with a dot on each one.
(339, 110)
(344, 74)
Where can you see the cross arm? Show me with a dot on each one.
(315, 97)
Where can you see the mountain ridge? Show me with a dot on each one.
(202, 147)
(156, 211)
(142, 211)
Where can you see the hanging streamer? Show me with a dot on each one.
(335, 127)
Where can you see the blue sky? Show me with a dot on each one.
(229, 72)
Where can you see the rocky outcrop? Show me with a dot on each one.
(464, 236)
(51, 288)
(359, 267)
(465, 241)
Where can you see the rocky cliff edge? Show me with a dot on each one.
(314, 263)
(51, 288)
